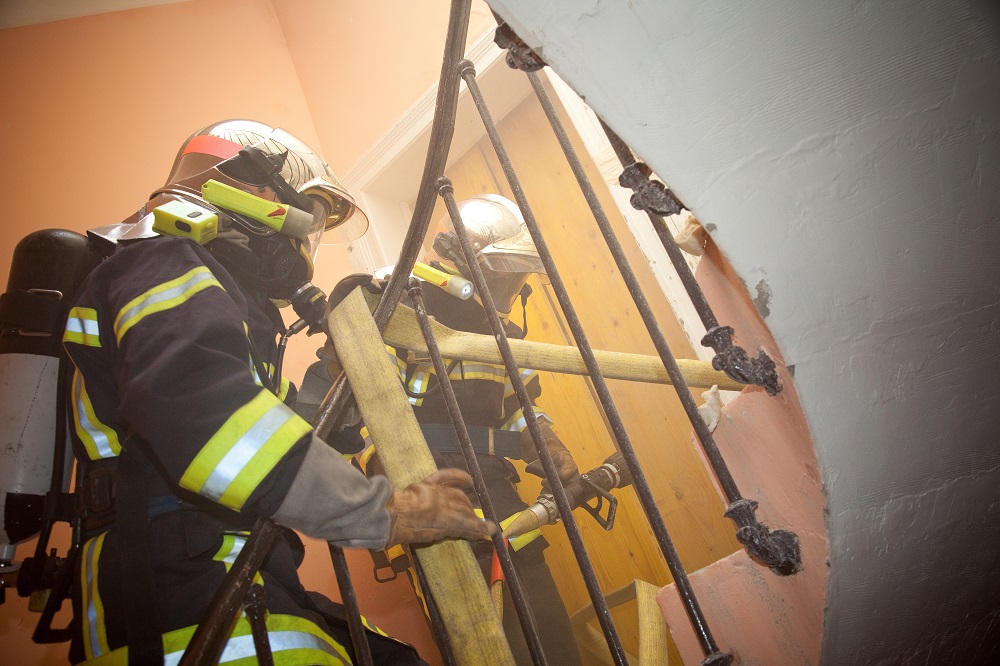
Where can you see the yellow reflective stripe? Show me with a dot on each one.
(283, 386)
(230, 549)
(400, 363)
(100, 440)
(244, 450)
(294, 640)
(82, 327)
(519, 542)
(95, 640)
(371, 627)
(526, 376)
(485, 371)
(365, 456)
(517, 422)
(163, 297)
(418, 385)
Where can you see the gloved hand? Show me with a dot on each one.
(568, 471)
(434, 509)
(345, 287)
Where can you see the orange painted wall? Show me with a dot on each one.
(760, 617)
(95, 109)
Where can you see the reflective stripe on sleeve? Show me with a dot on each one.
(100, 440)
(244, 450)
(163, 297)
(82, 327)
(517, 422)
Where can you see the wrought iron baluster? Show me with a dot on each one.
(524, 613)
(433, 612)
(643, 490)
(514, 375)
(359, 637)
(657, 200)
(335, 402)
(778, 550)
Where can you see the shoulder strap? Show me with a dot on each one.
(138, 589)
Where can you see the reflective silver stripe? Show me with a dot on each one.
(418, 385)
(518, 425)
(100, 439)
(243, 450)
(241, 647)
(85, 326)
(125, 317)
(238, 542)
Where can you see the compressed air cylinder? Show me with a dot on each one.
(47, 269)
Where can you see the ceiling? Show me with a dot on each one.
(15, 13)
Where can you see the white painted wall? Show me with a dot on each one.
(846, 157)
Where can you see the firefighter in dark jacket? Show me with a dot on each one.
(489, 407)
(183, 428)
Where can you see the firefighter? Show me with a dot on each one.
(184, 431)
(507, 257)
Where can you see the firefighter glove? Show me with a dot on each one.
(568, 471)
(434, 509)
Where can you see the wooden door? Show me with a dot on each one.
(653, 416)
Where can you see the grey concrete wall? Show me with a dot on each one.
(846, 158)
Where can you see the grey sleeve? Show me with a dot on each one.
(315, 385)
(330, 499)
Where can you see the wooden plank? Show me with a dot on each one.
(453, 575)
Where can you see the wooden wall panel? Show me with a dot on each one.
(653, 417)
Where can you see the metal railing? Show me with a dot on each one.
(778, 550)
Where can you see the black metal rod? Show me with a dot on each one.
(778, 550)
(213, 631)
(524, 613)
(719, 466)
(643, 491)
(433, 612)
(657, 200)
(359, 637)
(548, 465)
(442, 130)
(691, 286)
(334, 404)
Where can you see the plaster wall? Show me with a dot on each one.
(844, 157)
(96, 107)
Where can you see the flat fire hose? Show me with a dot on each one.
(404, 331)
(652, 627)
(453, 575)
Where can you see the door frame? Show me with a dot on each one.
(386, 178)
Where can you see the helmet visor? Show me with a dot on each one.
(293, 163)
(516, 254)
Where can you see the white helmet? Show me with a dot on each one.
(503, 246)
